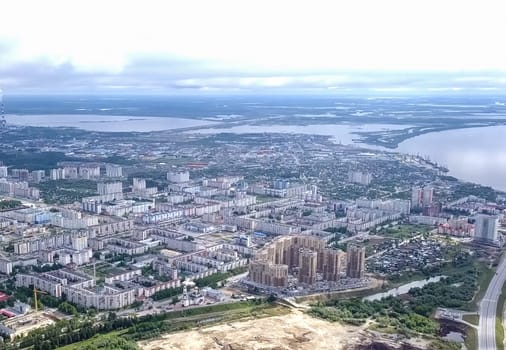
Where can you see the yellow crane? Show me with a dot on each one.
(35, 302)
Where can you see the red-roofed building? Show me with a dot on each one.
(3, 296)
(7, 313)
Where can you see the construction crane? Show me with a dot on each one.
(35, 302)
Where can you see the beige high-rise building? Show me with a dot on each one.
(307, 266)
(308, 255)
(332, 264)
(355, 267)
(264, 272)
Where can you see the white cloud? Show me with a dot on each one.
(267, 41)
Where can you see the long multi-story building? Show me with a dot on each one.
(178, 176)
(359, 177)
(18, 189)
(79, 288)
(110, 226)
(112, 170)
(89, 172)
(105, 188)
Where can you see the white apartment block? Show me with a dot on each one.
(18, 189)
(89, 172)
(393, 205)
(112, 170)
(38, 175)
(139, 184)
(156, 217)
(70, 173)
(57, 174)
(79, 289)
(485, 229)
(3, 171)
(359, 177)
(109, 228)
(178, 176)
(105, 188)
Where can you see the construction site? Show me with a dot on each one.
(293, 331)
(22, 319)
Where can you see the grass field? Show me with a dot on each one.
(403, 232)
(499, 328)
(471, 341)
(485, 274)
(94, 342)
(187, 319)
(472, 319)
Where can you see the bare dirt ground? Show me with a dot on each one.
(295, 331)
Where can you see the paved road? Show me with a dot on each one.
(488, 308)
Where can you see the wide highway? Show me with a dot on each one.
(488, 308)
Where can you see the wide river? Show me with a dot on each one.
(106, 123)
(475, 154)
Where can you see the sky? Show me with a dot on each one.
(87, 46)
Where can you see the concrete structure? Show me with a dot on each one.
(332, 264)
(3, 171)
(57, 174)
(307, 266)
(110, 226)
(18, 189)
(105, 188)
(421, 196)
(305, 255)
(38, 175)
(138, 184)
(89, 172)
(112, 170)
(70, 173)
(79, 288)
(390, 205)
(359, 177)
(178, 176)
(485, 230)
(269, 274)
(355, 267)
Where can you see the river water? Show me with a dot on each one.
(106, 123)
(404, 289)
(475, 154)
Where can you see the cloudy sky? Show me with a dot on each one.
(148, 46)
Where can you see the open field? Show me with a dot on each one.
(484, 277)
(471, 341)
(472, 319)
(295, 331)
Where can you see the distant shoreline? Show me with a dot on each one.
(386, 139)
